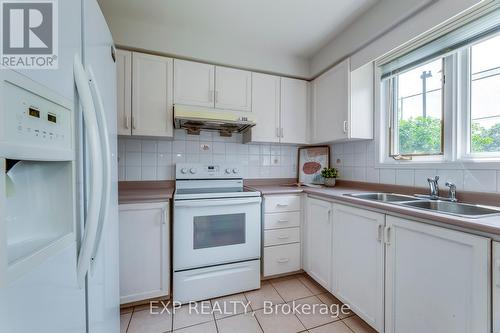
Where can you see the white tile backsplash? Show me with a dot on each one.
(498, 181)
(155, 159)
(357, 161)
(405, 177)
(388, 176)
(480, 180)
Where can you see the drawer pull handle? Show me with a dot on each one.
(283, 237)
(282, 221)
(281, 205)
(283, 260)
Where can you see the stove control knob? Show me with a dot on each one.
(192, 171)
(184, 170)
(228, 171)
(235, 170)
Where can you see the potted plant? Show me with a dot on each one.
(329, 174)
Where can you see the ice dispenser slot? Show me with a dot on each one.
(39, 205)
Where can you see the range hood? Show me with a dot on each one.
(226, 122)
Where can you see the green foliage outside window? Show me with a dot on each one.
(420, 136)
(423, 136)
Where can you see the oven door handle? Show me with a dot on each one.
(216, 202)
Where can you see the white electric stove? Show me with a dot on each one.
(217, 233)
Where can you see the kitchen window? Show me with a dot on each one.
(440, 101)
(484, 83)
(417, 113)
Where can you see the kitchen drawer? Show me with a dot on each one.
(281, 236)
(281, 220)
(281, 203)
(281, 259)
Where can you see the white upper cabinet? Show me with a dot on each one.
(358, 262)
(265, 109)
(318, 244)
(194, 83)
(362, 103)
(437, 280)
(124, 91)
(343, 104)
(294, 102)
(152, 102)
(233, 89)
(331, 104)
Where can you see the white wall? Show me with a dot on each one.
(392, 18)
(356, 161)
(181, 43)
(154, 159)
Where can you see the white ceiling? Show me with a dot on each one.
(295, 27)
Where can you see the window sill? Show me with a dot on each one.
(463, 164)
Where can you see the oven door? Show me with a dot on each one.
(216, 231)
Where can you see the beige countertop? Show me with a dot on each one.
(488, 225)
(142, 192)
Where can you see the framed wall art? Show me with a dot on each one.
(311, 161)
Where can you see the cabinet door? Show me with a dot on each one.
(362, 103)
(124, 91)
(144, 251)
(358, 262)
(319, 240)
(193, 83)
(265, 108)
(233, 89)
(294, 111)
(437, 280)
(331, 105)
(496, 287)
(152, 108)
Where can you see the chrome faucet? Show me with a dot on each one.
(452, 192)
(433, 187)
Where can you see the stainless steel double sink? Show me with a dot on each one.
(438, 206)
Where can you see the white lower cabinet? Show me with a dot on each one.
(496, 287)
(437, 280)
(281, 259)
(318, 240)
(144, 251)
(282, 234)
(358, 262)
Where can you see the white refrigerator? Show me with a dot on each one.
(58, 191)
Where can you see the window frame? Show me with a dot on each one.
(387, 103)
(464, 110)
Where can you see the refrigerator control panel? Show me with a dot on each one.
(32, 120)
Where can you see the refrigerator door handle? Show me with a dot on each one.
(96, 172)
(106, 162)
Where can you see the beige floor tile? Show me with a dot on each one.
(184, 317)
(286, 277)
(243, 323)
(336, 327)
(124, 320)
(312, 285)
(280, 322)
(265, 293)
(291, 289)
(202, 328)
(230, 305)
(357, 325)
(147, 322)
(329, 299)
(312, 312)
